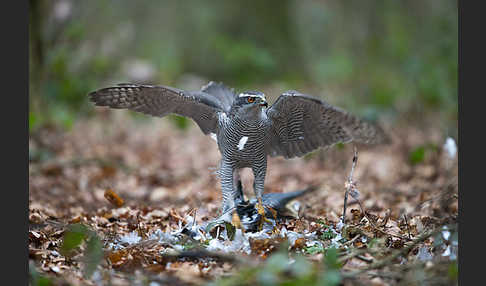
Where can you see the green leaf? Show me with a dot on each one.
(314, 249)
(453, 271)
(73, 237)
(373, 242)
(32, 120)
(321, 222)
(332, 278)
(328, 234)
(92, 255)
(417, 155)
(266, 278)
(331, 258)
(230, 230)
(36, 278)
(302, 267)
(276, 263)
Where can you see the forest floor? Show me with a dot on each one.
(112, 202)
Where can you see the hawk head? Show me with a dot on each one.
(251, 99)
(249, 105)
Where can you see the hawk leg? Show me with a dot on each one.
(258, 186)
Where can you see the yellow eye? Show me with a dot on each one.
(250, 99)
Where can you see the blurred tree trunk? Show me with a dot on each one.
(36, 52)
(36, 9)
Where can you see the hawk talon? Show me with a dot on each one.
(261, 211)
(274, 212)
(236, 220)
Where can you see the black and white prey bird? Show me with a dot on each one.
(245, 128)
(276, 206)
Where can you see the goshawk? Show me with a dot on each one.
(245, 128)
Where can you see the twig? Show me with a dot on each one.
(387, 217)
(365, 259)
(385, 275)
(408, 226)
(352, 240)
(353, 254)
(349, 184)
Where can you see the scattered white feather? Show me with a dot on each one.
(130, 238)
(354, 193)
(453, 255)
(115, 246)
(450, 147)
(97, 278)
(313, 243)
(216, 245)
(424, 254)
(242, 142)
(295, 206)
(164, 237)
(292, 237)
(447, 252)
(446, 234)
(241, 242)
(258, 235)
(340, 225)
(335, 241)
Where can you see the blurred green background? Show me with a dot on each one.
(379, 59)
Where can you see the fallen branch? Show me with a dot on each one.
(365, 259)
(204, 254)
(353, 254)
(349, 242)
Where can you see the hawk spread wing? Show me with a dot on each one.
(159, 101)
(222, 93)
(300, 123)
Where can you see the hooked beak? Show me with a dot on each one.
(264, 103)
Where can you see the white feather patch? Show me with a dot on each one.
(214, 137)
(242, 142)
(252, 95)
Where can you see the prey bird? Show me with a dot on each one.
(246, 129)
(276, 206)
